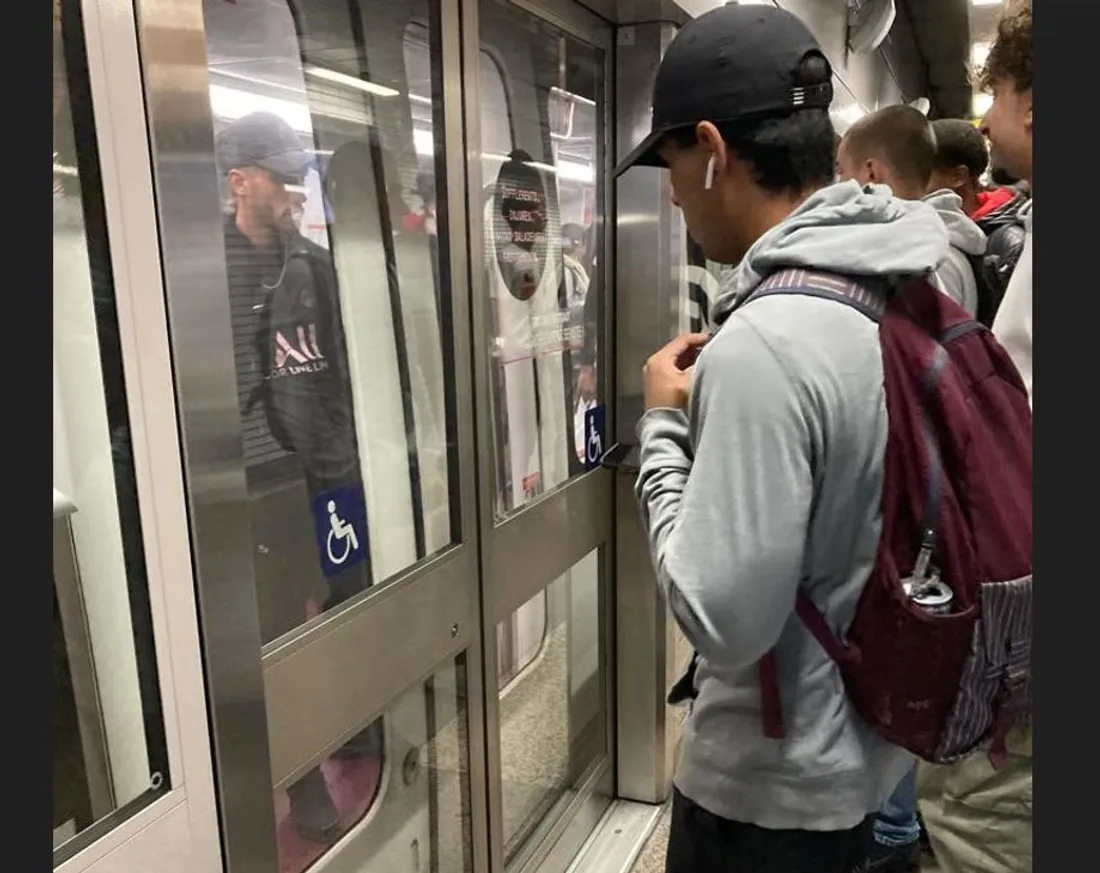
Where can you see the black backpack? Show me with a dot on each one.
(991, 287)
(1005, 233)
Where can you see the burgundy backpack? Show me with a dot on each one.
(956, 511)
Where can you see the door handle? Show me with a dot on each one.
(622, 457)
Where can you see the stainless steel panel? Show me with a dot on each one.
(644, 774)
(457, 351)
(451, 15)
(620, 840)
(651, 258)
(356, 662)
(538, 545)
(482, 386)
(647, 226)
(174, 59)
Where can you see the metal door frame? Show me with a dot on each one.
(185, 816)
(534, 546)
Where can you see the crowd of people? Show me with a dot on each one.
(836, 481)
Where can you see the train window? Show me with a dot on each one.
(552, 725)
(108, 745)
(541, 144)
(420, 816)
(327, 165)
(515, 649)
(335, 288)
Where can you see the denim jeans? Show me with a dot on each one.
(896, 823)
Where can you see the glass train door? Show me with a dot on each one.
(314, 270)
(405, 627)
(538, 272)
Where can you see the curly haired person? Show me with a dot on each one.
(979, 818)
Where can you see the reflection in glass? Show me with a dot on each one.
(542, 144)
(420, 815)
(699, 287)
(520, 639)
(335, 289)
(108, 745)
(552, 720)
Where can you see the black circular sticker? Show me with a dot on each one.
(520, 221)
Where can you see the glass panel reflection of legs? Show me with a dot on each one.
(551, 713)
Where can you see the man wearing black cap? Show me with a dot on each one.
(292, 372)
(762, 448)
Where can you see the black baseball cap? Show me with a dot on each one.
(262, 139)
(734, 63)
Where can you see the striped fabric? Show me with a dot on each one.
(997, 669)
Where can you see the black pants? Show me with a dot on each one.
(700, 842)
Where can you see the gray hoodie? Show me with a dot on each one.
(772, 480)
(954, 275)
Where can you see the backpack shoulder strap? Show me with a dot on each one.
(870, 302)
(828, 286)
(989, 285)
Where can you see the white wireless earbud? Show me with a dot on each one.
(708, 180)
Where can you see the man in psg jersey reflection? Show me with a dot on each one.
(292, 371)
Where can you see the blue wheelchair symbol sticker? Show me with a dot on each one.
(340, 526)
(594, 439)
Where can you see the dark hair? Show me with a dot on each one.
(1001, 176)
(1010, 55)
(901, 137)
(960, 144)
(790, 154)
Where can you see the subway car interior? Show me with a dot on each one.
(352, 580)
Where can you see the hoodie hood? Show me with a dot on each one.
(1003, 214)
(989, 201)
(962, 232)
(842, 229)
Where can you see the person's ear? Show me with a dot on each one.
(711, 142)
(238, 182)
